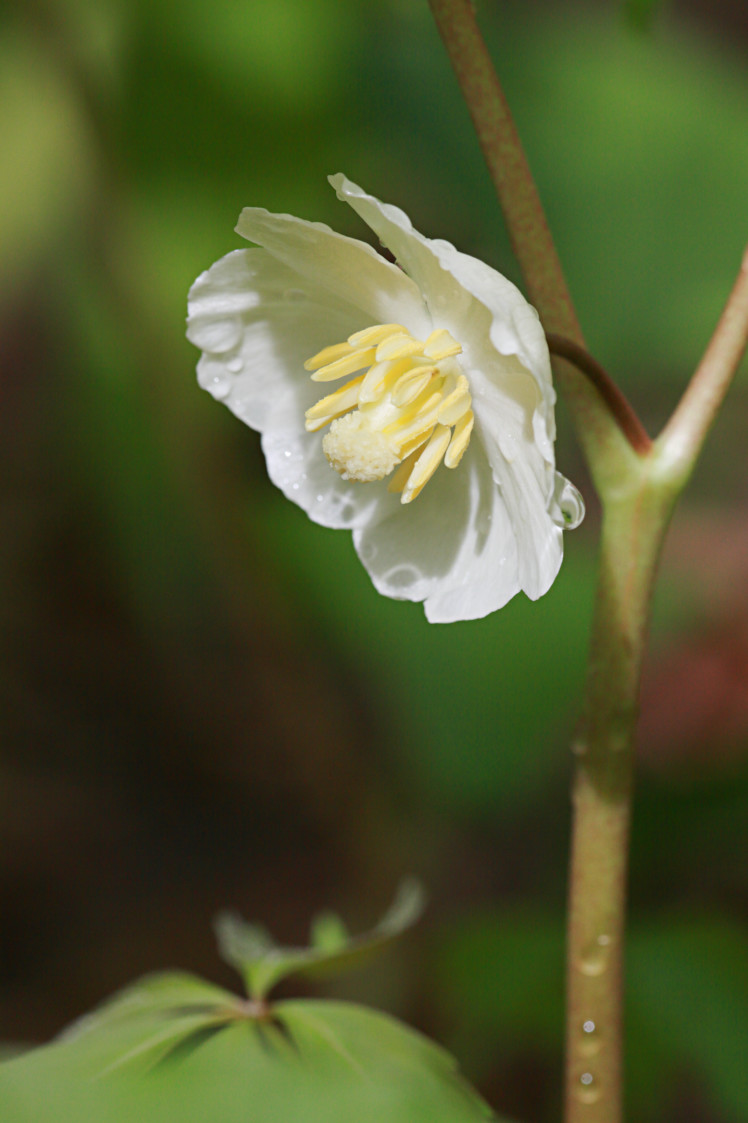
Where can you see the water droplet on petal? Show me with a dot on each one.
(403, 577)
(235, 364)
(588, 1027)
(218, 385)
(567, 506)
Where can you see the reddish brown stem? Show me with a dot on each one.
(615, 400)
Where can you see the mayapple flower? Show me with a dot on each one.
(409, 403)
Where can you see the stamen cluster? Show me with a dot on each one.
(410, 410)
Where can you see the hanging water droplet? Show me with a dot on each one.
(590, 1044)
(567, 506)
(235, 364)
(594, 960)
(587, 1091)
(508, 446)
(218, 385)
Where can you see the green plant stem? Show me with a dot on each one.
(683, 436)
(634, 525)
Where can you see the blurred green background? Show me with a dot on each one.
(204, 702)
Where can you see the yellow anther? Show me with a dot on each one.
(380, 377)
(398, 346)
(456, 403)
(328, 355)
(409, 385)
(427, 463)
(354, 360)
(415, 418)
(460, 440)
(333, 405)
(441, 345)
(370, 337)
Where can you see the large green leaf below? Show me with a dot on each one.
(174, 1048)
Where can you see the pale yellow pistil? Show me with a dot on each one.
(409, 410)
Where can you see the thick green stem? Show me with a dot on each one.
(633, 529)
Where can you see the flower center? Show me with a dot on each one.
(409, 410)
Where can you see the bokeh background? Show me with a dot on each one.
(204, 703)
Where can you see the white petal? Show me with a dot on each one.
(539, 539)
(280, 320)
(453, 548)
(346, 267)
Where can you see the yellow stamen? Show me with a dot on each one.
(399, 477)
(347, 364)
(345, 398)
(370, 337)
(398, 346)
(409, 385)
(441, 345)
(427, 463)
(328, 355)
(455, 404)
(460, 440)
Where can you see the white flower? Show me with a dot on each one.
(437, 448)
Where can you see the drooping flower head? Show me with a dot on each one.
(409, 403)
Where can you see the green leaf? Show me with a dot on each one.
(233, 1062)
(262, 964)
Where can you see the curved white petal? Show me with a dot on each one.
(345, 267)
(453, 548)
(263, 320)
